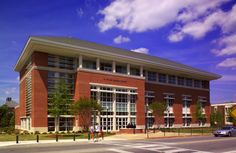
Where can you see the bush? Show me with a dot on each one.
(44, 133)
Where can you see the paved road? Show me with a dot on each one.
(169, 145)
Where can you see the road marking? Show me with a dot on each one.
(177, 150)
(230, 152)
(200, 141)
(119, 150)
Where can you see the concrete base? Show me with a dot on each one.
(130, 131)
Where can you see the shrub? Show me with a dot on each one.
(36, 132)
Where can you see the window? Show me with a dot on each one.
(106, 67)
(181, 81)
(121, 69)
(121, 104)
(66, 124)
(134, 71)
(171, 79)
(197, 83)
(152, 76)
(189, 82)
(51, 124)
(89, 64)
(162, 78)
(133, 104)
(106, 100)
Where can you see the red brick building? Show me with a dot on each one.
(122, 81)
(224, 109)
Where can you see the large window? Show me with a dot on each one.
(106, 66)
(134, 71)
(197, 83)
(189, 82)
(152, 76)
(121, 69)
(171, 79)
(106, 100)
(66, 124)
(133, 104)
(121, 123)
(51, 124)
(181, 81)
(121, 104)
(162, 78)
(89, 64)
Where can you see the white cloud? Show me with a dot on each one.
(140, 16)
(121, 39)
(80, 12)
(176, 36)
(9, 91)
(229, 62)
(141, 50)
(227, 45)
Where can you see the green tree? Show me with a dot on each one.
(59, 102)
(157, 109)
(84, 108)
(216, 119)
(5, 116)
(200, 116)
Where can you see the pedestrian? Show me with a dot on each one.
(97, 130)
(91, 133)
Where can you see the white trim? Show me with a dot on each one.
(112, 86)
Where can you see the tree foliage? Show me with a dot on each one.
(59, 101)
(6, 115)
(84, 107)
(216, 119)
(200, 116)
(158, 109)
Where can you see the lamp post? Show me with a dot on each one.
(146, 119)
(107, 120)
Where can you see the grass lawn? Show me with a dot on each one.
(24, 137)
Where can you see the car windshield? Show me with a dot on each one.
(226, 128)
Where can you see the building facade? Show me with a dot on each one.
(122, 81)
(224, 109)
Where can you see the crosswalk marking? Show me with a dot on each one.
(152, 146)
(119, 150)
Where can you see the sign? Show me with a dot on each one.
(233, 112)
(115, 80)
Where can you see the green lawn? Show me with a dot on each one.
(24, 137)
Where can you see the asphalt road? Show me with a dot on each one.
(169, 145)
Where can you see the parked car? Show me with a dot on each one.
(225, 131)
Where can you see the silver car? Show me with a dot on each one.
(225, 131)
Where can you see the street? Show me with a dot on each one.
(198, 144)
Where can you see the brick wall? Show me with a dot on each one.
(178, 104)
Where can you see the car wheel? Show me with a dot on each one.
(229, 134)
(215, 135)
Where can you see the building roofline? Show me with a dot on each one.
(223, 104)
(108, 50)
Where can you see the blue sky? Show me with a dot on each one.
(199, 33)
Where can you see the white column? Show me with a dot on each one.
(80, 61)
(113, 66)
(141, 71)
(98, 64)
(98, 100)
(128, 107)
(128, 69)
(114, 110)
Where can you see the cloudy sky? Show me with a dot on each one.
(199, 33)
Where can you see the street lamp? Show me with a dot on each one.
(107, 119)
(147, 119)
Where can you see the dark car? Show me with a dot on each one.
(225, 131)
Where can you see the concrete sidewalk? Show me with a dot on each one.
(108, 138)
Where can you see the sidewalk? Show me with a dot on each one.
(109, 138)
